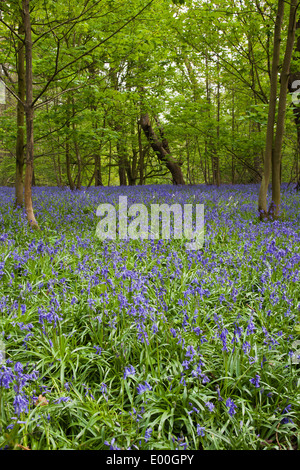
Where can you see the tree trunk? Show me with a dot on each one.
(233, 136)
(122, 174)
(79, 165)
(159, 148)
(293, 86)
(134, 168)
(216, 156)
(121, 159)
(29, 117)
(20, 159)
(141, 156)
(263, 191)
(109, 165)
(68, 159)
(284, 77)
(68, 166)
(98, 173)
(77, 152)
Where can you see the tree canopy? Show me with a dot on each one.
(199, 71)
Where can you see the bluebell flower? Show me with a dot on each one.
(143, 388)
(210, 406)
(98, 350)
(173, 332)
(232, 407)
(200, 430)
(111, 444)
(148, 433)
(129, 371)
(62, 400)
(256, 381)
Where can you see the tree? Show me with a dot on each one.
(29, 116)
(161, 148)
(293, 86)
(19, 187)
(32, 102)
(273, 152)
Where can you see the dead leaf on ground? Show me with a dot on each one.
(41, 401)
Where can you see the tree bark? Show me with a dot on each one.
(29, 117)
(68, 158)
(121, 158)
(159, 148)
(141, 156)
(263, 191)
(216, 156)
(293, 86)
(20, 158)
(98, 172)
(68, 166)
(284, 77)
(77, 151)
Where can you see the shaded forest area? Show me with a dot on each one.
(125, 93)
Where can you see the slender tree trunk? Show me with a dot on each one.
(160, 149)
(68, 166)
(59, 171)
(121, 160)
(293, 85)
(56, 171)
(188, 171)
(122, 174)
(97, 156)
(79, 165)
(29, 117)
(77, 152)
(20, 159)
(263, 191)
(68, 157)
(134, 168)
(141, 156)
(284, 77)
(216, 156)
(98, 172)
(208, 142)
(109, 165)
(233, 137)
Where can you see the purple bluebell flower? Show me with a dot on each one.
(111, 444)
(200, 430)
(130, 370)
(21, 403)
(143, 388)
(98, 350)
(173, 332)
(148, 433)
(210, 405)
(286, 410)
(256, 381)
(62, 400)
(231, 406)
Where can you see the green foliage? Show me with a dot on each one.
(209, 86)
(64, 270)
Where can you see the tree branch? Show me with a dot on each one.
(12, 30)
(56, 72)
(13, 93)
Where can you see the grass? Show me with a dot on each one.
(207, 337)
